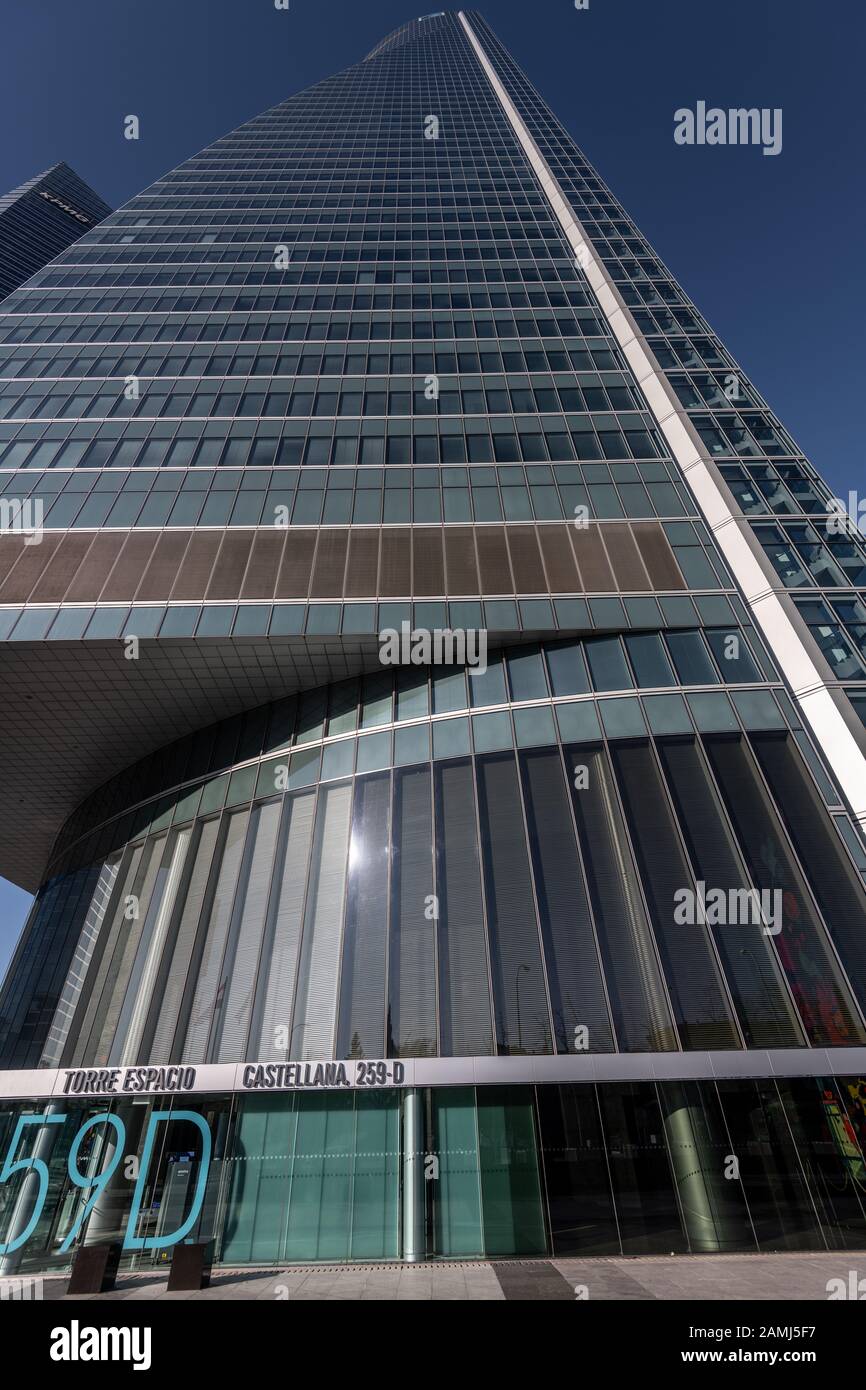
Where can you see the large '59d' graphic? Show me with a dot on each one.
(97, 1182)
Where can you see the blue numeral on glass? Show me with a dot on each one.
(133, 1242)
(35, 1165)
(84, 1180)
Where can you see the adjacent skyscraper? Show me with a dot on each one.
(431, 714)
(40, 218)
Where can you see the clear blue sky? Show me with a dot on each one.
(770, 248)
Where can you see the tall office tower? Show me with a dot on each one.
(430, 715)
(40, 218)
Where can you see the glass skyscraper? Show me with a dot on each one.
(434, 716)
(40, 218)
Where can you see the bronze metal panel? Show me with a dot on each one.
(493, 561)
(592, 561)
(197, 565)
(625, 558)
(88, 580)
(330, 564)
(264, 566)
(395, 563)
(362, 566)
(460, 561)
(32, 561)
(294, 577)
(558, 556)
(160, 575)
(231, 563)
(658, 556)
(529, 575)
(56, 577)
(428, 570)
(131, 563)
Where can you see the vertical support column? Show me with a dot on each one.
(414, 1214)
(712, 1220)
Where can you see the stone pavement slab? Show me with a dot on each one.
(714, 1278)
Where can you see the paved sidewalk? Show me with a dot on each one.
(712, 1278)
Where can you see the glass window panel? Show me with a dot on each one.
(649, 660)
(567, 668)
(813, 974)
(465, 1013)
(412, 697)
(377, 690)
(733, 656)
(412, 1030)
(314, 1016)
(510, 1185)
(201, 1012)
(534, 726)
(757, 709)
(449, 691)
(780, 1205)
(582, 1216)
(694, 981)
(457, 1195)
(607, 664)
(691, 659)
(270, 1037)
(147, 892)
(573, 969)
(622, 718)
(640, 1175)
(238, 979)
(487, 687)
(362, 996)
(521, 1006)
(764, 1007)
(838, 888)
(667, 714)
(412, 745)
(82, 960)
(374, 751)
(451, 737)
(640, 1011)
(526, 673)
(712, 713)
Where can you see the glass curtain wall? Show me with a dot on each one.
(628, 1168)
(511, 902)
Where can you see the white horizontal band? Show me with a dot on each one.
(131, 1084)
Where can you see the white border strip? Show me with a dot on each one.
(812, 694)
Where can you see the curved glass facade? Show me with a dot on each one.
(462, 864)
